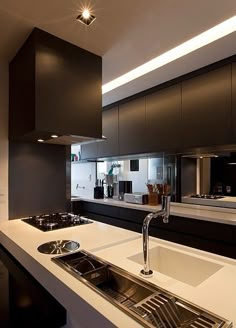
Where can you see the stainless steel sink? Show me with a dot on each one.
(149, 304)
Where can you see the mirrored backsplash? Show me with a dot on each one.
(204, 179)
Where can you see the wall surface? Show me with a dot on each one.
(138, 178)
(37, 179)
(3, 140)
(83, 177)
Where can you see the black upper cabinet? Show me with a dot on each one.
(55, 88)
(234, 102)
(132, 127)
(206, 108)
(163, 119)
(110, 146)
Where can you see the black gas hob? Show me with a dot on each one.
(49, 222)
(205, 196)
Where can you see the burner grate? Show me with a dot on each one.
(54, 221)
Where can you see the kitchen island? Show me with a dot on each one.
(86, 308)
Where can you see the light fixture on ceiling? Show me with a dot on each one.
(217, 32)
(54, 136)
(40, 140)
(86, 17)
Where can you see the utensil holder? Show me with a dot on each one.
(153, 198)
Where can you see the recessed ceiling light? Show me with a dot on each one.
(217, 32)
(54, 136)
(40, 140)
(86, 17)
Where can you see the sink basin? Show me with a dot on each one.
(149, 304)
(183, 267)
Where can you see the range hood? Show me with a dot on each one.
(55, 90)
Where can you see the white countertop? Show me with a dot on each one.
(205, 213)
(216, 294)
(88, 309)
(84, 306)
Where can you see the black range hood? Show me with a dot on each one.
(55, 89)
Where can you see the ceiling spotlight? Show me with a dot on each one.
(40, 140)
(54, 136)
(86, 17)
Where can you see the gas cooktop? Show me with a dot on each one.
(205, 196)
(49, 222)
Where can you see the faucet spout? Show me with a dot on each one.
(164, 214)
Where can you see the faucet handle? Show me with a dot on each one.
(166, 207)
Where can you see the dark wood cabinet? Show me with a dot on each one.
(206, 108)
(110, 146)
(132, 127)
(234, 102)
(163, 119)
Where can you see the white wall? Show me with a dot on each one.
(138, 178)
(3, 140)
(83, 177)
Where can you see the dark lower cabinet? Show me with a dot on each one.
(206, 109)
(23, 301)
(208, 236)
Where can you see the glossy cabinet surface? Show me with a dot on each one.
(206, 108)
(197, 111)
(163, 119)
(110, 146)
(132, 127)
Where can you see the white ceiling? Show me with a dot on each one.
(126, 33)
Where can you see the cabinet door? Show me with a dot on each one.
(163, 119)
(89, 151)
(206, 108)
(110, 146)
(234, 103)
(132, 132)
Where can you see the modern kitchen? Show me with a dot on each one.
(118, 164)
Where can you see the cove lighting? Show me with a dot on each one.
(217, 32)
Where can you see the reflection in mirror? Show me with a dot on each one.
(209, 179)
(156, 175)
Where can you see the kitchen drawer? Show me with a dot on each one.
(107, 210)
(136, 216)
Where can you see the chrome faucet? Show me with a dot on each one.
(164, 213)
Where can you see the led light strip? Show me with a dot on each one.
(217, 32)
